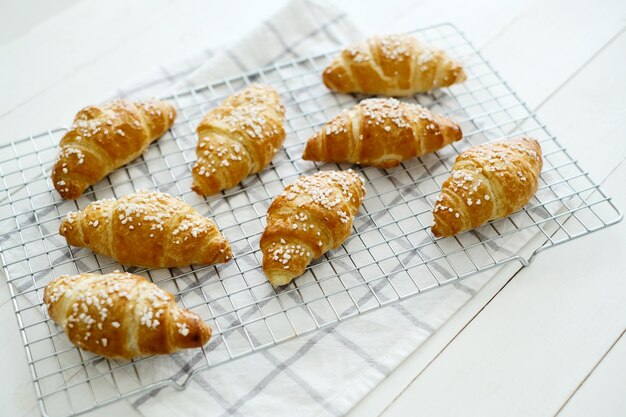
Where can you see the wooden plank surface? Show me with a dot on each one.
(602, 393)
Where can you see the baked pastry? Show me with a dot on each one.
(238, 138)
(381, 132)
(313, 215)
(487, 182)
(392, 65)
(121, 315)
(150, 229)
(104, 138)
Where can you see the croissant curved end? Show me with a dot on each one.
(311, 150)
(280, 278)
(191, 331)
(63, 227)
(460, 75)
(202, 333)
(336, 78)
(327, 76)
(225, 253)
(66, 229)
(438, 230)
(275, 267)
(444, 224)
(67, 188)
(204, 186)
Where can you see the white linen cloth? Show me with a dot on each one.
(325, 373)
(320, 374)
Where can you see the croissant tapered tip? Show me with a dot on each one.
(446, 224)
(460, 75)
(225, 253)
(63, 227)
(326, 77)
(436, 230)
(195, 187)
(66, 228)
(204, 188)
(68, 189)
(192, 331)
(455, 132)
(282, 270)
(336, 78)
(280, 278)
(311, 149)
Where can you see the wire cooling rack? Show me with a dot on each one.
(391, 254)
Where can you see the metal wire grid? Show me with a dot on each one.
(391, 254)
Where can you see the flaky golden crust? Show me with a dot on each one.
(150, 229)
(313, 215)
(393, 65)
(238, 138)
(104, 138)
(487, 182)
(121, 315)
(382, 133)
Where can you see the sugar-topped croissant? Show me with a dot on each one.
(150, 229)
(313, 215)
(487, 182)
(381, 132)
(121, 315)
(393, 65)
(238, 138)
(104, 138)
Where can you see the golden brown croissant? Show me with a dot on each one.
(313, 215)
(104, 138)
(238, 138)
(121, 315)
(487, 182)
(150, 229)
(393, 65)
(381, 132)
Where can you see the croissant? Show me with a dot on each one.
(238, 138)
(104, 138)
(150, 229)
(393, 65)
(121, 315)
(487, 182)
(381, 132)
(313, 215)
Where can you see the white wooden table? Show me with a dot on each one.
(547, 341)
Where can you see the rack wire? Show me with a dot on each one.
(391, 254)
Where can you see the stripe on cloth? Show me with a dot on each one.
(308, 345)
(311, 34)
(303, 383)
(286, 47)
(414, 320)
